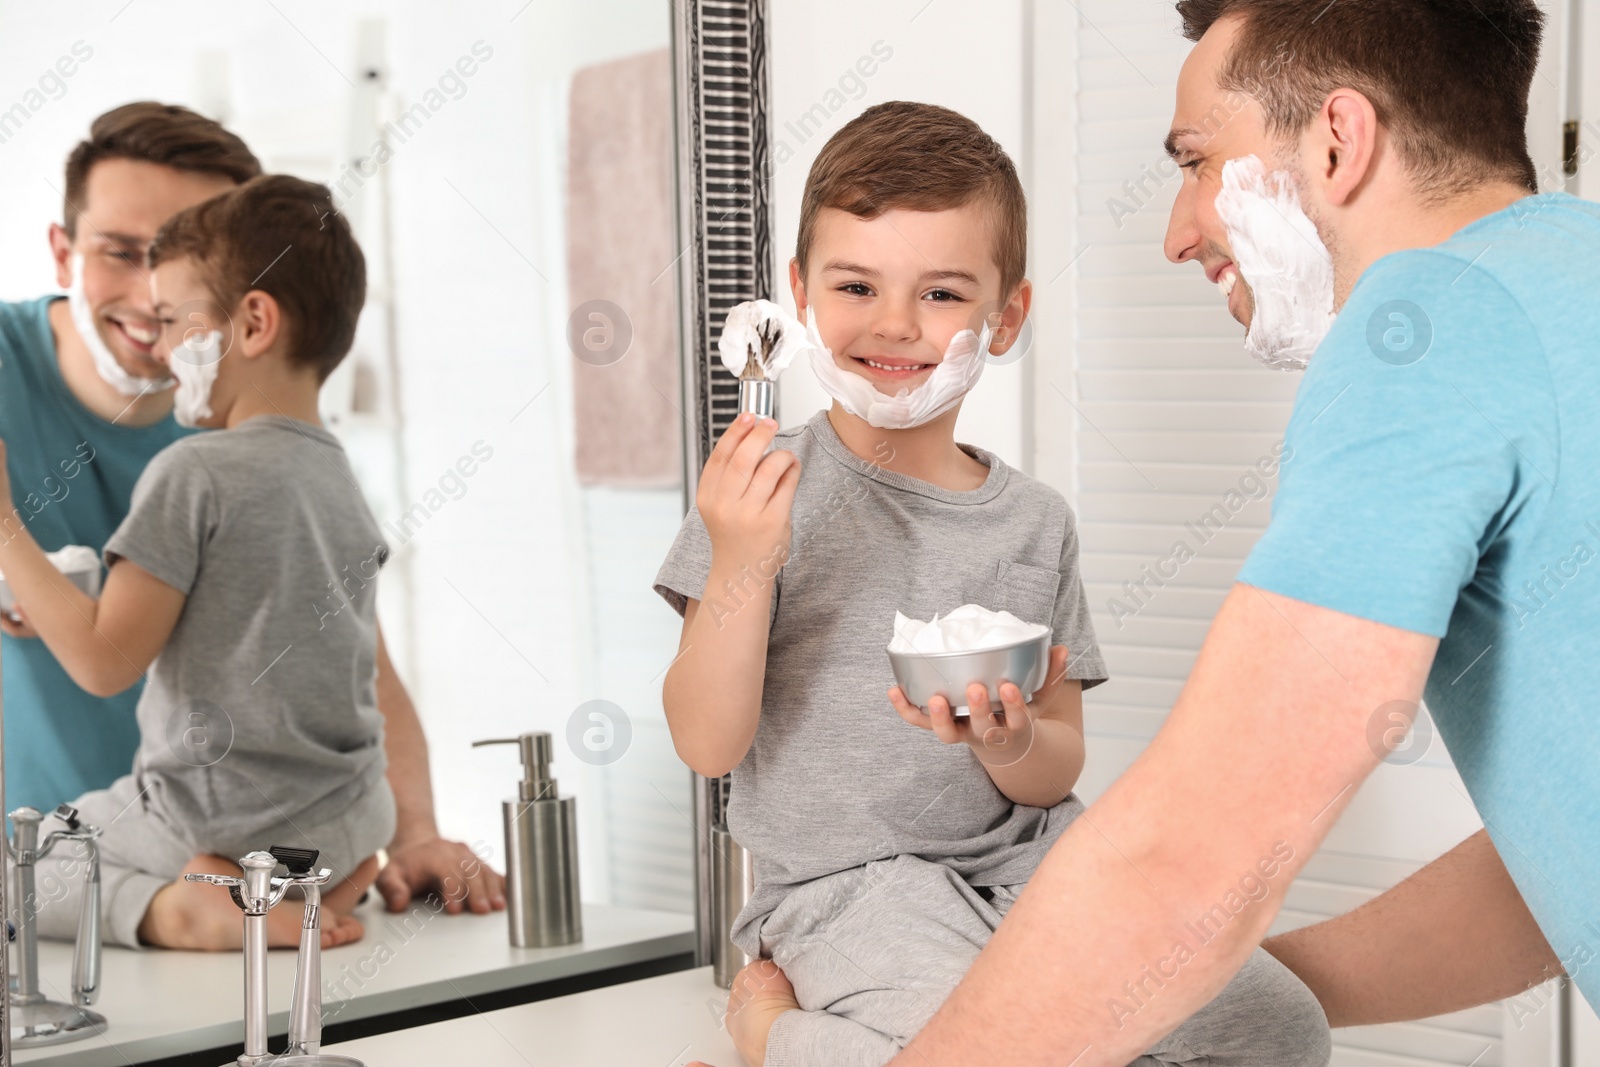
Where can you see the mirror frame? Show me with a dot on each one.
(723, 178)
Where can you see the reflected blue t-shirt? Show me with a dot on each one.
(1446, 480)
(72, 474)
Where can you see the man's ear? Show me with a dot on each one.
(797, 287)
(61, 252)
(1344, 145)
(257, 323)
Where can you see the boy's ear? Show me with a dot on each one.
(257, 323)
(1011, 317)
(797, 287)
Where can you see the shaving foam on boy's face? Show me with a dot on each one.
(890, 304)
(191, 321)
(1277, 250)
(952, 378)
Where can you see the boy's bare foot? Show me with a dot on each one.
(761, 992)
(201, 917)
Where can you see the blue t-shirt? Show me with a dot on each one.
(1446, 480)
(72, 474)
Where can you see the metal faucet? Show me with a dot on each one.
(35, 1019)
(256, 893)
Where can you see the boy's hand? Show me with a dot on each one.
(14, 623)
(997, 738)
(746, 494)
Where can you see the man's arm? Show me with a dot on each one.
(419, 859)
(1401, 955)
(1265, 747)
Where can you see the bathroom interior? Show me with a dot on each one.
(553, 240)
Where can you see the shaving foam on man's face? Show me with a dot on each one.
(1245, 226)
(135, 332)
(890, 308)
(1281, 256)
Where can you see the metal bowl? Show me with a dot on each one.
(925, 675)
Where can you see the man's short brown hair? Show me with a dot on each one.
(284, 237)
(148, 132)
(1448, 78)
(918, 157)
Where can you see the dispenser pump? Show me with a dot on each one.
(536, 752)
(542, 898)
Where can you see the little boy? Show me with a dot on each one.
(243, 581)
(887, 849)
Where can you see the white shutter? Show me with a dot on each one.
(645, 808)
(1147, 412)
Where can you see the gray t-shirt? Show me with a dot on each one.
(260, 712)
(835, 778)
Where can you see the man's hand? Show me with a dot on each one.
(448, 868)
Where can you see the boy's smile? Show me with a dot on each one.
(891, 292)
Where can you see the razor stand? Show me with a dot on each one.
(35, 1019)
(256, 893)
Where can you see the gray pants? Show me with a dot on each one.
(140, 853)
(873, 952)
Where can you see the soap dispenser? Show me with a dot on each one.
(542, 901)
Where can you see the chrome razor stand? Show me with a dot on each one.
(256, 894)
(35, 1019)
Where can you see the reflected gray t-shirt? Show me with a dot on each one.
(835, 778)
(261, 711)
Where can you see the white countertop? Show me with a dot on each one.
(162, 1003)
(665, 1021)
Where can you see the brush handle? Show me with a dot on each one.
(756, 398)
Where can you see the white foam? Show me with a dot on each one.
(969, 628)
(741, 333)
(1282, 257)
(75, 559)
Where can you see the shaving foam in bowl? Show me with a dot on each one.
(78, 562)
(943, 656)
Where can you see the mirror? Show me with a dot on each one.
(511, 406)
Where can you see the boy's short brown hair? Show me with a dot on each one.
(919, 157)
(284, 237)
(149, 132)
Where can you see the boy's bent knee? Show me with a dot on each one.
(1290, 1012)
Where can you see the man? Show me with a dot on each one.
(1435, 531)
(84, 406)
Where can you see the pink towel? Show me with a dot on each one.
(619, 252)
